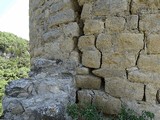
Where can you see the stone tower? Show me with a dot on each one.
(105, 52)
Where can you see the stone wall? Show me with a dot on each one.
(114, 43)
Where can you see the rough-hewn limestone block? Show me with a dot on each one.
(38, 51)
(71, 29)
(104, 102)
(130, 43)
(93, 27)
(150, 23)
(82, 71)
(145, 77)
(62, 17)
(52, 35)
(86, 11)
(118, 61)
(88, 81)
(115, 24)
(153, 43)
(91, 59)
(149, 63)
(119, 87)
(139, 6)
(86, 43)
(106, 7)
(104, 42)
(107, 73)
(132, 22)
(60, 5)
(151, 93)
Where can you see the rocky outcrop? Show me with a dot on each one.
(44, 96)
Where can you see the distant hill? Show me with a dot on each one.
(14, 60)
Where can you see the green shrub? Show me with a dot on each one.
(83, 112)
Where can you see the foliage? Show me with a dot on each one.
(15, 66)
(85, 112)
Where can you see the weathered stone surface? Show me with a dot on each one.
(91, 59)
(145, 77)
(140, 6)
(93, 27)
(121, 88)
(153, 44)
(104, 42)
(106, 7)
(118, 61)
(86, 43)
(104, 102)
(86, 11)
(45, 97)
(62, 17)
(107, 73)
(149, 63)
(71, 29)
(115, 24)
(150, 23)
(88, 81)
(132, 22)
(82, 71)
(130, 42)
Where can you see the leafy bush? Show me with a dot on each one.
(84, 112)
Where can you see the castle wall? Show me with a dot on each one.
(115, 45)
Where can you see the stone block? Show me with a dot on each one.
(130, 42)
(104, 102)
(132, 22)
(145, 77)
(88, 81)
(115, 24)
(91, 59)
(150, 23)
(106, 7)
(107, 73)
(93, 27)
(149, 63)
(82, 71)
(86, 43)
(122, 88)
(153, 43)
(104, 42)
(86, 11)
(65, 16)
(139, 6)
(71, 30)
(118, 61)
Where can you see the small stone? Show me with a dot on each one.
(153, 43)
(86, 43)
(132, 22)
(115, 24)
(91, 59)
(86, 11)
(88, 81)
(93, 27)
(82, 71)
(119, 87)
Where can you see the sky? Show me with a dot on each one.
(14, 17)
